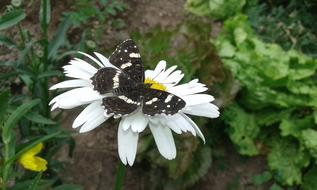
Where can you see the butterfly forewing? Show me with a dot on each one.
(107, 79)
(161, 102)
(127, 58)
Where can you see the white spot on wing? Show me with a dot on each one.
(151, 101)
(168, 98)
(123, 66)
(134, 55)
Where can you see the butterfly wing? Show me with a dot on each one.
(161, 102)
(127, 100)
(108, 79)
(127, 58)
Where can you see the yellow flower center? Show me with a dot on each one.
(154, 84)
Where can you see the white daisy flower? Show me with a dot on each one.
(161, 125)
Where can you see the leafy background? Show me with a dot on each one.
(258, 59)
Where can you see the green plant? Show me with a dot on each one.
(26, 116)
(275, 111)
(216, 9)
(291, 24)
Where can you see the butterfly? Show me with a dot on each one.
(125, 83)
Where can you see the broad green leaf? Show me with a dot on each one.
(198, 7)
(37, 118)
(294, 126)
(261, 178)
(310, 179)
(59, 37)
(286, 160)
(243, 129)
(309, 137)
(11, 19)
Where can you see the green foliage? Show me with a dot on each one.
(11, 18)
(276, 103)
(291, 24)
(244, 129)
(287, 160)
(262, 178)
(217, 9)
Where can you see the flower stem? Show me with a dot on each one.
(119, 176)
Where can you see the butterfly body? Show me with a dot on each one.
(125, 88)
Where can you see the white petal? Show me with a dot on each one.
(174, 78)
(76, 97)
(71, 84)
(178, 122)
(193, 87)
(148, 74)
(160, 67)
(136, 121)
(92, 58)
(83, 65)
(127, 145)
(200, 134)
(205, 110)
(195, 99)
(104, 60)
(76, 72)
(164, 140)
(87, 113)
(163, 75)
(93, 122)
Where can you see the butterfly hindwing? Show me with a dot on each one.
(127, 100)
(127, 58)
(161, 102)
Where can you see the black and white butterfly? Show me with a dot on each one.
(125, 83)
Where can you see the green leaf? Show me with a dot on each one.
(243, 129)
(198, 7)
(309, 137)
(45, 13)
(6, 41)
(68, 187)
(261, 178)
(294, 126)
(37, 118)
(276, 187)
(23, 185)
(50, 74)
(310, 179)
(31, 145)
(14, 118)
(11, 19)
(59, 37)
(286, 160)
(4, 103)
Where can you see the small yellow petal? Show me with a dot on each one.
(35, 150)
(35, 163)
